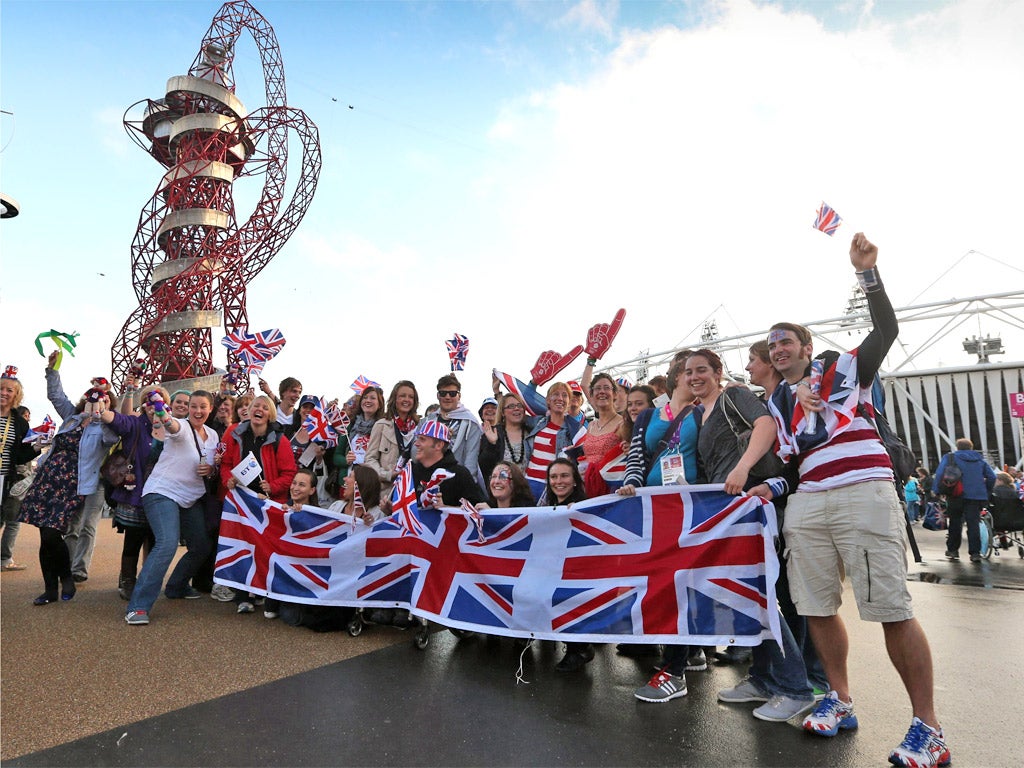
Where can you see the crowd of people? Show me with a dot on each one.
(833, 488)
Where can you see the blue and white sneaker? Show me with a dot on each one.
(922, 747)
(830, 715)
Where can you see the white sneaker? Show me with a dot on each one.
(779, 709)
(744, 691)
(222, 593)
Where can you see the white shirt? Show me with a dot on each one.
(175, 474)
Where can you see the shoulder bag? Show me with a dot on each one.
(768, 465)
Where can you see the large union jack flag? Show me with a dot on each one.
(269, 549)
(666, 564)
(447, 572)
(683, 565)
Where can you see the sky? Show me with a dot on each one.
(517, 171)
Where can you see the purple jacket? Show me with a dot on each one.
(135, 431)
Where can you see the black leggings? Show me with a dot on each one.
(135, 539)
(54, 558)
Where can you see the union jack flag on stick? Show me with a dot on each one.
(403, 501)
(828, 220)
(318, 425)
(458, 348)
(362, 383)
(338, 419)
(255, 348)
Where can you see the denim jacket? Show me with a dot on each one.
(96, 439)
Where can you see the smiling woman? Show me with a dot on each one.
(171, 498)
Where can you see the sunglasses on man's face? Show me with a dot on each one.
(447, 393)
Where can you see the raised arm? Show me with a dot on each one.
(885, 328)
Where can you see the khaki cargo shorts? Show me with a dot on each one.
(857, 529)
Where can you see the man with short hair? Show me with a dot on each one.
(462, 425)
(432, 441)
(845, 515)
(289, 391)
(977, 479)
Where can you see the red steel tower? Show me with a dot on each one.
(191, 258)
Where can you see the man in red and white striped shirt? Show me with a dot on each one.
(845, 516)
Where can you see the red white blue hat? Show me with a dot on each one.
(434, 429)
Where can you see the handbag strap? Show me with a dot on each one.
(195, 439)
(725, 412)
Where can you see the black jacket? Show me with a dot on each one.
(454, 489)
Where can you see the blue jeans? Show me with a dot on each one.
(165, 519)
(780, 675)
(193, 530)
(162, 514)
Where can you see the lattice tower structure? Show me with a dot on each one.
(191, 258)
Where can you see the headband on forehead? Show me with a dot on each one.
(10, 372)
(776, 336)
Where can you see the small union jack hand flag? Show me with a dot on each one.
(432, 490)
(338, 419)
(458, 348)
(403, 502)
(319, 428)
(828, 220)
(362, 383)
(476, 517)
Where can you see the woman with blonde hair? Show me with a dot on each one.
(13, 452)
(506, 440)
(550, 436)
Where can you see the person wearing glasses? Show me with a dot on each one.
(463, 426)
(506, 440)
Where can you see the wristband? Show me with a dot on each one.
(869, 280)
(591, 361)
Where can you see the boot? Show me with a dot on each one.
(67, 587)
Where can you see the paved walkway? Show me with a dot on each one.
(203, 686)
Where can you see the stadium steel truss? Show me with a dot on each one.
(927, 408)
(191, 258)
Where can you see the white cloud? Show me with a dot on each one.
(685, 174)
